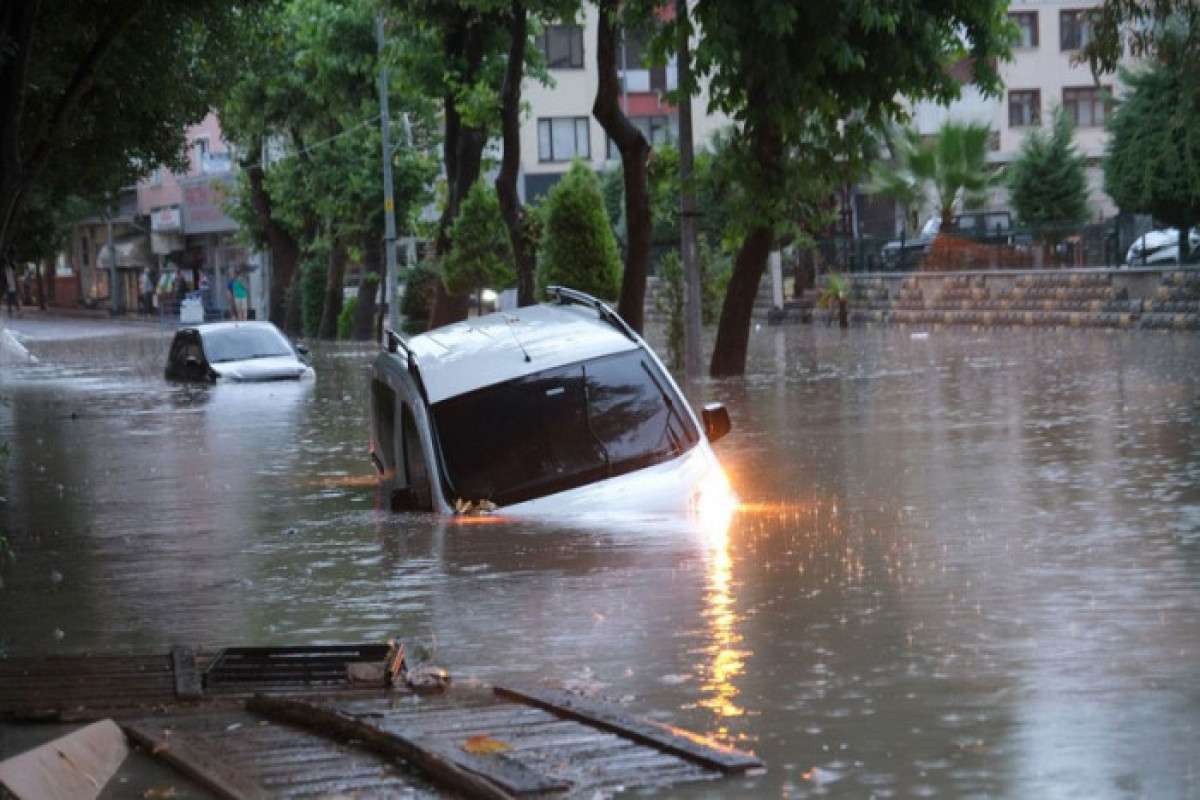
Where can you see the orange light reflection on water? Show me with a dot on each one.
(345, 481)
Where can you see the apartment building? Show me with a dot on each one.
(560, 127)
(1042, 76)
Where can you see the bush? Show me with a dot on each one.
(578, 246)
(312, 294)
(345, 322)
(715, 269)
(417, 302)
(480, 254)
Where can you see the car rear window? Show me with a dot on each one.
(560, 428)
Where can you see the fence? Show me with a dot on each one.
(1097, 245)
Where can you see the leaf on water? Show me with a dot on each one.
(484, 745)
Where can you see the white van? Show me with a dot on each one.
(549, 409)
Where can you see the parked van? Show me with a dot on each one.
(554, 408)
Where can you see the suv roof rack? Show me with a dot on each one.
(394, 342)
(566, 296)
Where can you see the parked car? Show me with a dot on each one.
(548, 409)
(235, 351)
(1159, 247)
(989, 227)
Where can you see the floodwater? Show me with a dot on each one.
(966, 564)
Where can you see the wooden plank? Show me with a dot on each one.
(663, 737)
(195, 761)
(491, 777)
(187, 678)
(77, 765)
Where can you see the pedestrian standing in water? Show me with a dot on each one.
(241, 297)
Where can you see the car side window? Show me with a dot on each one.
(417, 494)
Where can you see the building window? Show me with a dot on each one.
(1073, 29)
(83, 249)
(658, 129)
(562, 45)
(1024, 108)
(1027, 25)
(563, 139)
(1087, 105)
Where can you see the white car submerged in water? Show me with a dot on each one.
(556, 408)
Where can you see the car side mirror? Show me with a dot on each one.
(301, 349)
(716, 421)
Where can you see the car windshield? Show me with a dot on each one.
(238, 344)
(560, 428)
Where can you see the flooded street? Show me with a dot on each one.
(967, 564)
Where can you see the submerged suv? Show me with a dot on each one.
(554, 408)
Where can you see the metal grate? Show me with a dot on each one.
(320, 665)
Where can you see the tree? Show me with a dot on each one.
(952, 165)
(901, 176)
(303, 110)
(97, 93)
(635, 150)
(1152, 161)
(1047, 182)
(578, 249)
(1145, 29)
(481, 255)
(794, 74)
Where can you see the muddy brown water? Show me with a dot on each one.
(967, 564)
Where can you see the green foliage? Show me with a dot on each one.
(1166, 30)
(837, 290)
(1152, 163)
(952, 165)
(814, 81)
(481, 253)
(307, 86)
(715, 269)
(143, 75)
(578, 248)
(345, 320)
(312, 293)
(419, 286)
(1047, 182)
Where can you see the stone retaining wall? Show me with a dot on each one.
(1105, 298)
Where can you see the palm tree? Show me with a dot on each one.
(952, 162)
(957, 165)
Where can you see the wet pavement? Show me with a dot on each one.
(967, 564)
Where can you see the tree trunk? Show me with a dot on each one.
(506, 181)
(463, 152)
(39, 273)
(285, 250)
(843, 313)
(634, 153)
(733, 332)
(368, 289)
(294, 315)
(737, 311)
(335, 276)
(51, 281)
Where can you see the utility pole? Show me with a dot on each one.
(389, 203)
(687, 202)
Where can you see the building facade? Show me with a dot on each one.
(190, 233)
(560, 127)
(1043, 75)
